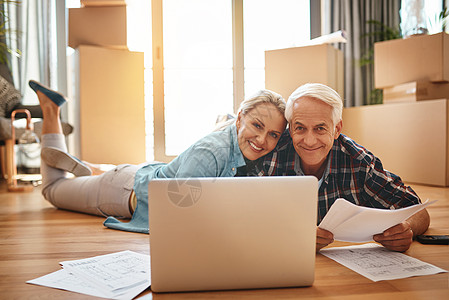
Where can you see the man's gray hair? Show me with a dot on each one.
(320, 92)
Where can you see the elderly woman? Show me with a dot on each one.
(225, 153)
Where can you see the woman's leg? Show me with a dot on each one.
(51, 136)
(106, 194)
(76, 194)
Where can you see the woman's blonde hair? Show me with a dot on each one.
(263, 96)
(260, 97)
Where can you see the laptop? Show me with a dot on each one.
(232, 233)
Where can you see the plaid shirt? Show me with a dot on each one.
(353, 173)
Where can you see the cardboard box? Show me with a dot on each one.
(418, 58)
(416, 91)
(103, 2)
(287, 69)
(111, 105)
(98, 26)
(411, 139)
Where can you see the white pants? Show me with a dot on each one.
(106, 195)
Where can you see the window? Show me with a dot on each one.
(197, 68)
(190, 48)
(432, 11)
(271, 25)
(198, 82)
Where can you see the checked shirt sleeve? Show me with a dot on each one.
(387, 188)
(370, 183)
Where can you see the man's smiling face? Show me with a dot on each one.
(313, 132)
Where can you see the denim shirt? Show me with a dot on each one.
(216, 155)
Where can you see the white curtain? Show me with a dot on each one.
(33, 23)
(352, 16)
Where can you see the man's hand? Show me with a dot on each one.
(323, 238)
(396, 238)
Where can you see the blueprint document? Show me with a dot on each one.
(378, 263)
(121, 275)
(351, 223)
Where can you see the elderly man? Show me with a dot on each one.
(314, 145)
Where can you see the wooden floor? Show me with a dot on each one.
(35, 237)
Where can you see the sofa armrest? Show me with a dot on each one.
(5, 129)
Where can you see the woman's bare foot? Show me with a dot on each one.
(55, 97)
(50, 102)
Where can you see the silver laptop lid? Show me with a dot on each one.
(232, 233)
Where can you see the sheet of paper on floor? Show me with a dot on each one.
(121, 275)
(378, 263)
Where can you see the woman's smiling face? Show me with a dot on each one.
(259, 130)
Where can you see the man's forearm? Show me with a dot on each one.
(419, 222)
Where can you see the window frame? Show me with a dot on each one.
(158, 69)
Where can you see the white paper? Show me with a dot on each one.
(334, 37)
(351, 223)
(63, 280)
(377, 263)
(121, 275)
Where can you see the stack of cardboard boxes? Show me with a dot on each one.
(413, 69)
(109, 84)
(410, 131)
